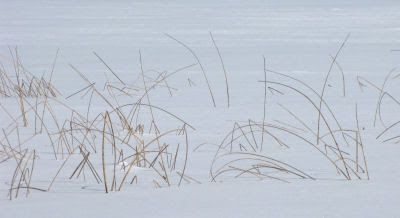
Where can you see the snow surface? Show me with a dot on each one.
(296, 37)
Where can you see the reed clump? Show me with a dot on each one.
(119, 136)
(125, 136)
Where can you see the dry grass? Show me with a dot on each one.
(22, 83)
(342, 148)
(120, 129)
(128, 136)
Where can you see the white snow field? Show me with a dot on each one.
(131, 98)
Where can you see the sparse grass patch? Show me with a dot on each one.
(117, 136)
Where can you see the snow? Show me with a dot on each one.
(296, 38)
(255, 199)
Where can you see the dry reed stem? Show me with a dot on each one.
(102, 156)
(45, 100)
(45, 128)
(361, 144)
(342, 73)
(252, 134)
(81, 164)
(108, 67)
(265, 102)
(257, 174)
(187, 178)
(31, 173)
(23, 175)
(17, 169)
(223, 68)
(186, 154)
(387, 129)
(311, 131)
(245, 136)
(319, 115)
(152, 117)
(61, 167)
(198, 61)
(380, 98)
(257, 157)
(325, 82)
(139, 101)
(317, 95)
(80, 90)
